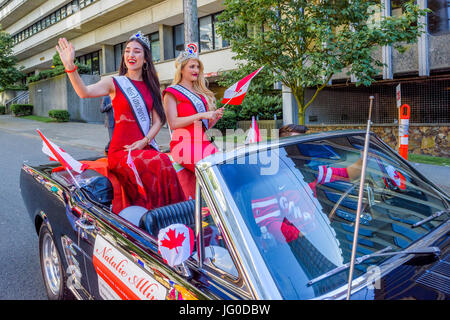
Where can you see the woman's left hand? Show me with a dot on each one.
(219, 113)
(138, 145)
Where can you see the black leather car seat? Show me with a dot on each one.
(159, 218)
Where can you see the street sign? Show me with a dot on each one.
(398, 95)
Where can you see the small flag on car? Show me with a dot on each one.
(57, 154)
(130, 164)
(253, 133)
(235, 94)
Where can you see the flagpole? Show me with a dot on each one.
(240, 90)
(235, 94)
(74, 180)
(360, 197)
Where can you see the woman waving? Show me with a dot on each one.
(138, 115)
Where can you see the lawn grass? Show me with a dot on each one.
(421, 158)
(39, 118)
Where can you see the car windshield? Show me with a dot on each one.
(299, 203)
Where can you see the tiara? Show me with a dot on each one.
(141, 37)
(190, 52)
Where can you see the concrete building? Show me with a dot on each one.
(99, 28)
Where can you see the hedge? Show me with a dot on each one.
(59, 115)
(2, 110)
(22, 109)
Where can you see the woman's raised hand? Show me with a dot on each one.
(66, 53)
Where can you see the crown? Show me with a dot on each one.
(141, 37)
(190, 52)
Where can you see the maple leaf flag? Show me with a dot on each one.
(175, 243)
(235, 94)
(130, 164)
(57, 154)
(253, 133)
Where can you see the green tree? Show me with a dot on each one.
(305, 42)
(9, 73)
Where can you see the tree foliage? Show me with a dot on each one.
(304, 43)
(9, 73)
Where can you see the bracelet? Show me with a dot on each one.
(74, 69)
(148, 139)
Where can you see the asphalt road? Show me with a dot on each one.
(20, 274)
(21, 277)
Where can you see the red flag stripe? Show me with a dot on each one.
(55, 153)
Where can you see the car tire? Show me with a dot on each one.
(52, 267)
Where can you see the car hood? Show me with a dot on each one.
(420, 278)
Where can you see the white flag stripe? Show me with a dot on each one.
(133, 167)
(74, 164)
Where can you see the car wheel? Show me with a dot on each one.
(51, 266)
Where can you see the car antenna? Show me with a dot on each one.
(360, 197)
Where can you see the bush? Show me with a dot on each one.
(22, 109)
(228, 121)
(59, 115)
(2, 109)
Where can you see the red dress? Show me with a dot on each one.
(189, 144)
(155, 169)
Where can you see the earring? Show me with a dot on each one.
(145, 66)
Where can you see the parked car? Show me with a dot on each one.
(272, 220)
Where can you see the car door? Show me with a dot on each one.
(123, 261)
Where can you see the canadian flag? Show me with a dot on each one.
(235, 94)
(176, 243)
(57, 154)
(253, 133)
(130, 164)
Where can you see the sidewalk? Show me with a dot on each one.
(85, 135)
(95, 136)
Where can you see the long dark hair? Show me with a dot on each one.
(150, 78)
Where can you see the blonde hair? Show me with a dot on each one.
(200, 85)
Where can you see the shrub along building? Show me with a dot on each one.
(99, 29)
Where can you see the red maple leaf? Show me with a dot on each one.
(173, 240)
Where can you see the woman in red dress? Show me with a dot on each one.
(132, 133)
(190, 109)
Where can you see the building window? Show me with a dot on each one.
(92, 60)
(118, 50)
(219, 42)
(206, 33)
(95, 63)
(178, 39)
(155, 46)
(52, 18)
(439, 18)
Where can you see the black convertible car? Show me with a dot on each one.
(272, 220)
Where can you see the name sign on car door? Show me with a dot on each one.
(119, 278)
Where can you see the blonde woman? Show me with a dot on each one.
(190, 110)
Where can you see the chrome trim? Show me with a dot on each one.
(51, 265)
(237, 236)
(226, 156)
(198, 226)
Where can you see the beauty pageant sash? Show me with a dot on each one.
(196, 101)
(137, 105)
